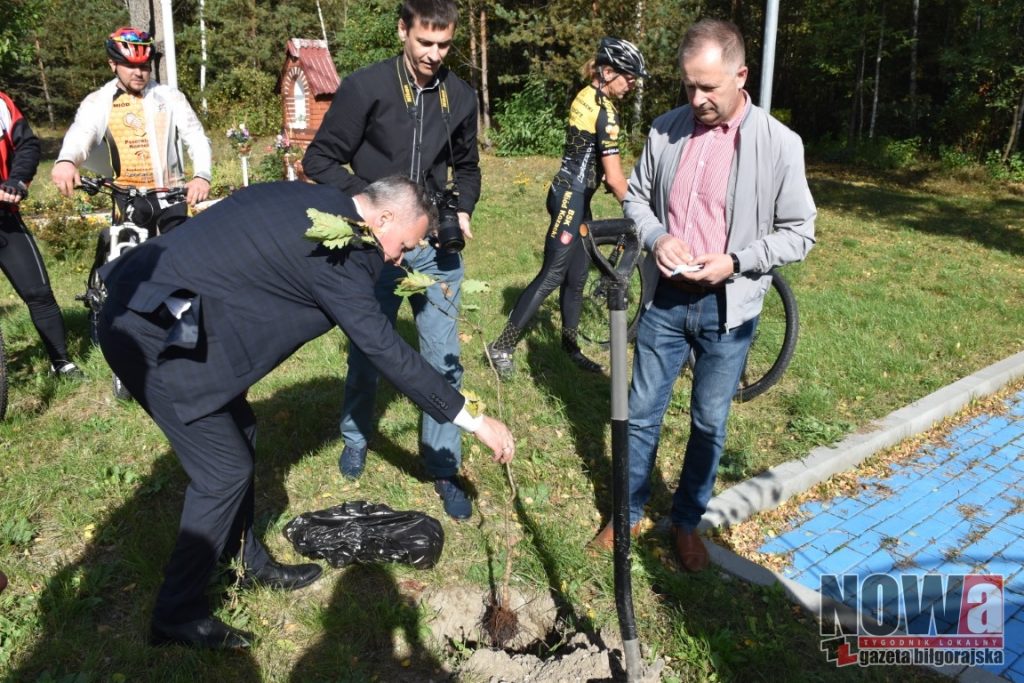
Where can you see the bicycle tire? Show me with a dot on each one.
(3, 378)
(595, 324)
(95, 294)
(774, 341)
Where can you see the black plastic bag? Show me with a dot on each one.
(366, 533)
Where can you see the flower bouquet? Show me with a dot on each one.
(283, 147)
(242, 141)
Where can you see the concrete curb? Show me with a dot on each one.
(776, 485)
(773, 487)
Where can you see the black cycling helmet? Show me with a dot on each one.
(621, 55)
(130, 46)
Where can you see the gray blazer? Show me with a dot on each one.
(769, 210)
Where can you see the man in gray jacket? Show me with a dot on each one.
(720, 197)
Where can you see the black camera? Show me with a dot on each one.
(449, 234)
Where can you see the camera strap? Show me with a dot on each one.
(409, 97)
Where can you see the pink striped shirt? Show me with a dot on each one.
(696, 204)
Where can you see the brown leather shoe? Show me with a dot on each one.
(690, 550)
(605, 539)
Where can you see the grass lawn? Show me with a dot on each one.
(915, 282)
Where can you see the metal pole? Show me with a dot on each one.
(323, 29)
(771, 23)
(202, 54)
(170, 63)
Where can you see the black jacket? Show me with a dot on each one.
(259, 291)
(370, 127)
(19, 146)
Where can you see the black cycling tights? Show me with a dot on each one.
(565, 261)
(23, 265)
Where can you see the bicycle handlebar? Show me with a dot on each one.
(93, 185)
(622, 229)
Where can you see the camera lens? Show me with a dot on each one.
(449, 233)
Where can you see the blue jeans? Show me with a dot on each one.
(435, 312)
(675, 323)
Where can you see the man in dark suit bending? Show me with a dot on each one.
(197, 316)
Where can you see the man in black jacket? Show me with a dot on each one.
(196, 317)
(408, 115)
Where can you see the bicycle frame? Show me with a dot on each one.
(123, 237)
(134, 228)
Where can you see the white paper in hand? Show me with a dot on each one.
(683, 268)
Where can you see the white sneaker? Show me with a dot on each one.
(65, 369)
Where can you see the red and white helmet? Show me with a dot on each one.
(130, 46)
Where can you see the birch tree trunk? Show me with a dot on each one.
(474, 63)
(913, 64)
(42, 82)
(856, 129)
(1018, 121)
(878, 72)
(638, 101)
(484, 90)
(202, 56)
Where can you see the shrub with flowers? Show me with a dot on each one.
(241, 139)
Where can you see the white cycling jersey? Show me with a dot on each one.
(169, 119)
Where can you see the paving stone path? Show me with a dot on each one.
(950, 509)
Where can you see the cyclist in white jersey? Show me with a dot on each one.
(131, 129)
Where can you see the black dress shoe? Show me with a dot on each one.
(208, 632)
(285, 577)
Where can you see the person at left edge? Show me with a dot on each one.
(20, 259)
(408, 115)
(195, 318)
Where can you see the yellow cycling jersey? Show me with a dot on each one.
(593, 132)
(128, 137)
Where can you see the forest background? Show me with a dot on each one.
(876, 81)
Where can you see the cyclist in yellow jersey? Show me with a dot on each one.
(591, 154)
(132, 127)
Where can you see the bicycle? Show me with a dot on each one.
(139, 212)
(770, 352)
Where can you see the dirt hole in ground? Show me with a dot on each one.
(540, 650)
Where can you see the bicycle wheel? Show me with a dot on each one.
(94, 296)
(3, 378)
(774, 341)
(594, 320)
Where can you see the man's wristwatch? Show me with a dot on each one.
(735, 263)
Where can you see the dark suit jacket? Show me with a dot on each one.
(259, 291)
